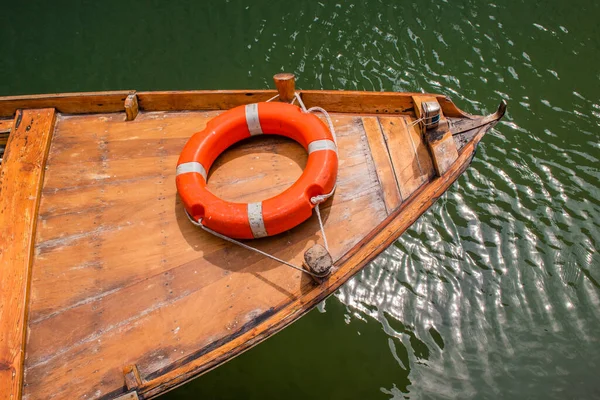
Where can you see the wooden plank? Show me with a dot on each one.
(465, 124)
(69, 103)
(128, 396)
(383, 163)
(443, 150)
(100, 137)
(200, 99)
(20, 183)
(410, 159)
(358, 102)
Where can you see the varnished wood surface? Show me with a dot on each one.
(410, 159)
(72, 103)
(20, 183)
(126, 292)
(201, 99)
(331, 100)
(113, 233)
(383, 163)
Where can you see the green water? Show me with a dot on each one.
(495, 291)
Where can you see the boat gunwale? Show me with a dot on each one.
(190, 100)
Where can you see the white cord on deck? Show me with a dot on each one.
(322, 229)
(227, 238)
(318, 109)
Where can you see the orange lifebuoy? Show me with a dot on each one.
(279, 213)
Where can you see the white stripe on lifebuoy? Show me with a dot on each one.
(191, 167)
(255, 217)
(252, 119)
(324, 144)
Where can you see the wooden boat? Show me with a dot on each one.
(108, 291)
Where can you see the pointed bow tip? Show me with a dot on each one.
(501, 109)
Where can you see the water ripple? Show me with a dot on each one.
(495, 291)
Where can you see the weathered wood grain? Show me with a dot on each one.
(334, 101)
(411, 161)
(70, 103)
(201, 99)
(20, 183)
(124, 239)
(383, 163)
(6, 125)
(442, 148)
(358, 102)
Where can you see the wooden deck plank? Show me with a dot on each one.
(78, 246)
(110, 254)
(411, 161)
(158, 312)
(383, 163)
(21, 179)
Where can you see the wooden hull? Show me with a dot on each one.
(112, 290)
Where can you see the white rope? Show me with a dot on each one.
(230, 240)
(322, 229)
(273, 98)
(321, 198)
(302, 106)
(421, 120)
